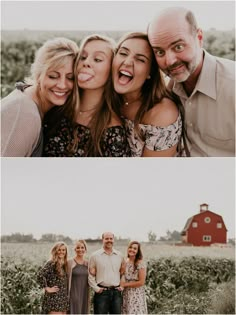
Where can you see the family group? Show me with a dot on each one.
(118, 284)
(153, 94)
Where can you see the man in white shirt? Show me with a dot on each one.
(105, 268)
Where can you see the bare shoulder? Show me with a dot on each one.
(162, 114)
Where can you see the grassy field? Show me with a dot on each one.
(40, 251)
(180, 280)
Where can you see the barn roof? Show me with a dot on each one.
(188, 223)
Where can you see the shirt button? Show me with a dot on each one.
(190, 124)
(189, 103)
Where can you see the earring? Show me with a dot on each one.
(149, 77)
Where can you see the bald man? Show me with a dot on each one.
(204, 83)
(105, 268)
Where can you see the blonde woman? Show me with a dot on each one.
(53, 279)
(78, 280)
(96, 130)
(133, 282)
(51, 84)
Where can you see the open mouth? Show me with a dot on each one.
(177, 69)
(125, 77)
(60, 94)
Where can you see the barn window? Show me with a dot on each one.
(207, 220)
(206, 238)
(194, 224)
(219, 225)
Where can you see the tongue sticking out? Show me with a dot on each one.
(124, 79)
(84, 77)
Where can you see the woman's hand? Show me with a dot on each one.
(52, 289)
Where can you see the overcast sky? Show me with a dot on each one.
(82, 198)
(107, 15)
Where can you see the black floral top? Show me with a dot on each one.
(114, 142)
(48, 277)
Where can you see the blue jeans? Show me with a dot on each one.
(108, 302)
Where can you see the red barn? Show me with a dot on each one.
(204, 228)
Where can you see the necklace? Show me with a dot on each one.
(131, 102)
(81, 112)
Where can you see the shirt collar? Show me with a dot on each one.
(114, 251)
(206, 82)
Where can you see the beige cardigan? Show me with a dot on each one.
(20, 125)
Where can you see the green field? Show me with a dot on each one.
(180, 280)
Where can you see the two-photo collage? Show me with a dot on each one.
(117, 157)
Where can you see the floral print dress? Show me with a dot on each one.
(57, 301)
(156, 138)
(114, 141)
(134, 300)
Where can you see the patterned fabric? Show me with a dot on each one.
(58, 301)
(134, 300)
(114, 142)
(156, 138)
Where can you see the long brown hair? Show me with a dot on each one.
(139, 255)
(60, 268)
(102, 116)
(152, 92)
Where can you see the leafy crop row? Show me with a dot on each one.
(180, 286)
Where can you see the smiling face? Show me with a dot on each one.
(133, 250)
(61, 252)
(131, 66)
(80, 249)
(176, 47)
(94, 64)
(57, 83)
(108, 240)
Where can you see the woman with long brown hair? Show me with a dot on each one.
(133, 281)
(95, 130)
(153, 116)
(53, 279)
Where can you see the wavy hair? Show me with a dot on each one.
(60, 268)
(152, 91)
(139, 255)
(52, 55)
(102, 116)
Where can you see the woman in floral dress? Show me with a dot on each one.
(53, 279)
(95, 130)
(153, 116)
(134, 300)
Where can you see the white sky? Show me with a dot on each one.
(85, 197)
(107, 15)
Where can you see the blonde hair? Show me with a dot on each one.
(82, 242)
(55, 259)
(54, 54)
(102, 116)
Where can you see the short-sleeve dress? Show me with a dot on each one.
(114, 142)
(48, 277)
(134, 300)
(156, 138)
